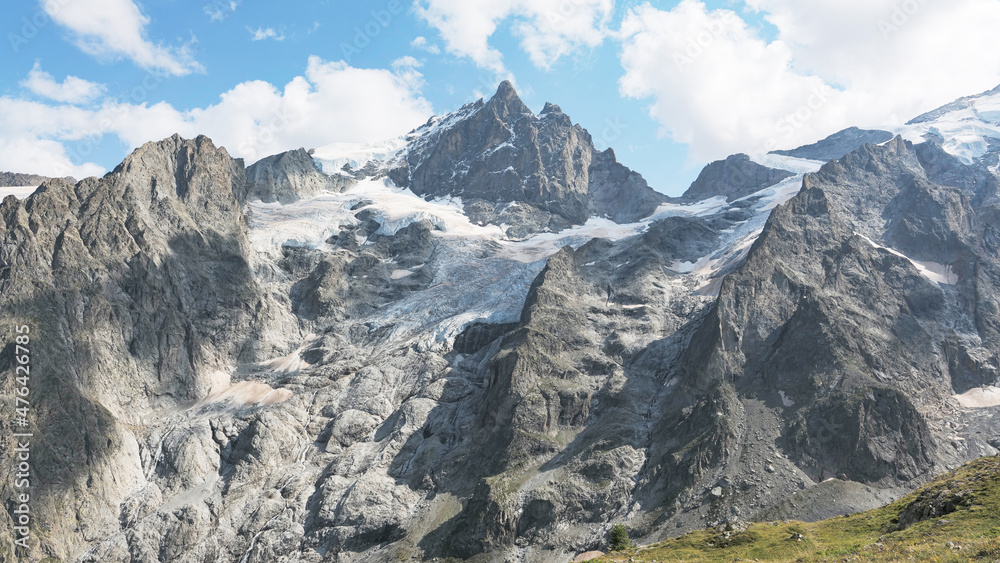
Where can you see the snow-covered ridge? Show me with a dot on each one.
(333, 157)
(966, 132)
(479, 274)
(790, 163)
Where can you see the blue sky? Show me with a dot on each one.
(669, 85)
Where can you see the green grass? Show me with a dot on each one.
(973, 530)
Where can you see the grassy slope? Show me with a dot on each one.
(973, 530)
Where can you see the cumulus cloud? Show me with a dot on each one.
(72, 90)
(548, 29)
(331, 102)
(915, 53)
(115, 29)
(424, 45)
(715, 85)
(718, 86)
(41, 156)
(261, 34)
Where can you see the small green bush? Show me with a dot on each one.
(618, 538)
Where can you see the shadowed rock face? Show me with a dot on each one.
(839, 144)
(137, 290)
(734, 178)
(512, 167)
(852, 333)
(206, 393)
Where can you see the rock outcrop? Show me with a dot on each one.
(735, 177)
(290, 176)
(839, 144)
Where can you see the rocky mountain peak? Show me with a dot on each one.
(190, 179)
(502, 153)
(506, 103)
(735, 177)
(351, 378)
(554, 113)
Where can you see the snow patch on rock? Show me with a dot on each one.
(980, 398)
(942, 274)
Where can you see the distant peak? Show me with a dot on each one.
(506, 100)
(550, 108)
(506, 90)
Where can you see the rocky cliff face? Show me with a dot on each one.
(139, 295)
(363, 374)
(512, 167)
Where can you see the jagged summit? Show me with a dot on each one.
(383, 374)
(501, 154)
(506, 103)
(505, 90)
(18, 179)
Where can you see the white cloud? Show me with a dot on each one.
(916, 53)
(218, 10)
(549, 29)
(715, 85)
(116, 28)
(72, 90)
(718, 86)
(331, 102)
(41, 156)
(424, 45)
(261, 34)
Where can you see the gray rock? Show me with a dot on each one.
(291, 176)
(512, 167)
(393, 394)
(19, 179)
(735, 177)
(839, 144)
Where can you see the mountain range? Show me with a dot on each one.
(488, 340)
